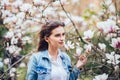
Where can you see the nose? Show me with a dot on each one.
(62, 38)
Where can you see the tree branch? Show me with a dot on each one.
(72, 22)
(14, 64)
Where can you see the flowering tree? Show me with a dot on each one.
(101, 43)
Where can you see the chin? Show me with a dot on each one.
(61, 46)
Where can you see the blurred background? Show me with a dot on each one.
(92, 28)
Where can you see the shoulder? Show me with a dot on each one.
(37, 55)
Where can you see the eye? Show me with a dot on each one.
(58, 35)
(63, 34)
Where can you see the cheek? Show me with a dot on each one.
(56, 40)
(53, 40)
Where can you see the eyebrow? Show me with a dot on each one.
(59, 33)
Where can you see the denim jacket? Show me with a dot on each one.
(39, 67)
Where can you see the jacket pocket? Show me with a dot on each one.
(43, 73)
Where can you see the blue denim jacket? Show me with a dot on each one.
(39, 67)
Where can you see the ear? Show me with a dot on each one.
(46, 39)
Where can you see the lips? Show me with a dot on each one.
(61, 42)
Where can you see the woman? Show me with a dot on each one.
(50, 63)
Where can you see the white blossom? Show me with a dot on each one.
(66, 21)
(22, 65)
(75, 1)
(26, 39)
(39, 2)
(12, 74)
(112, 8)
(35, 12)
(63, 2)
(112, 26)
(9, 34)
(17, 52)
(21, 15)
(19, 21)
(84, 23)
(91, 5)
(28, 22)
(14, 40)
(108, 2)
(4, 2)
(116, 43)
(110, 36)
(6, 61)
(88, 47)
(56, 3)
(103, 76)
(88, 35)
(17, 29)
(34, 29)
(32, 11)
(79, 50)
(11, 49)
(19, 35)
(50, 11)
(102, 46)
(17, 3)
(25, 7)
(12, 70)
(69, 45)
(12, 19)
(113, 58)
(77, 19)
(108, 26)
(6, 13)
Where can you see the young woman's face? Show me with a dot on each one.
(57, 38)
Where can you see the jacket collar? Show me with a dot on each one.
(46, 55)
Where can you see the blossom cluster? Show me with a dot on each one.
(110, 31)
(102, 43)
(22, 17)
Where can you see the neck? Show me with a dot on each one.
(53, 52)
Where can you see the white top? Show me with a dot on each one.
(58, 72)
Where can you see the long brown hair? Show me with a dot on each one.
(46, 32)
